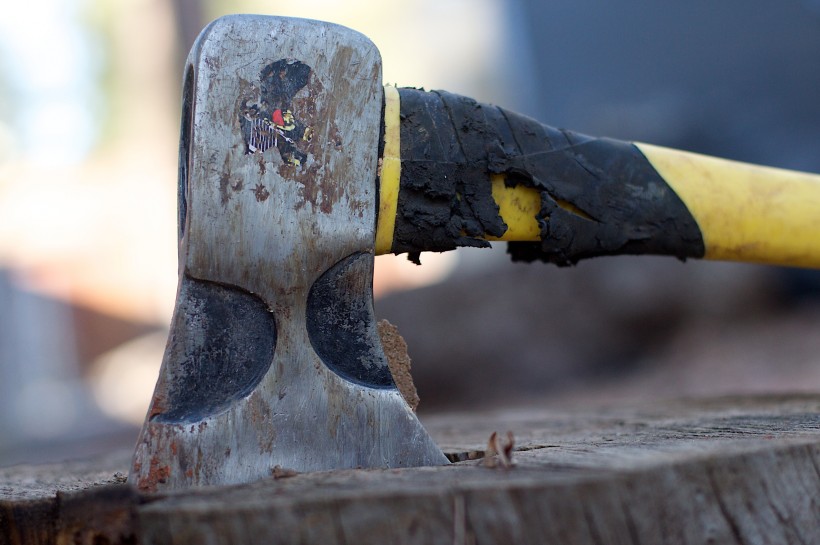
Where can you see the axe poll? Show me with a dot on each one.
(297, 167)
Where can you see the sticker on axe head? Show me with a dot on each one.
(267, 116)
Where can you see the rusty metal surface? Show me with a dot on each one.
(277, 173)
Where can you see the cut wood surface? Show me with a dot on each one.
(729, 470)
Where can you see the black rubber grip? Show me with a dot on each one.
(598, 196)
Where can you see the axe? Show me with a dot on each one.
(297, 167)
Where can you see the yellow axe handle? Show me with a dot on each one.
(744, 212)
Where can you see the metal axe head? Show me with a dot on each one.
(273, 356)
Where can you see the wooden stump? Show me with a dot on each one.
(730, 470)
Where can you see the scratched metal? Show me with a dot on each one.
(268, 223)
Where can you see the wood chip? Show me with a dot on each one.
(499, 453)
(395, 348)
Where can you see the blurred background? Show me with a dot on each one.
(89, 117)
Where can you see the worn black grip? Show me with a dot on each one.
(598, 196)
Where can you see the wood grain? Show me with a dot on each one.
(729, 470)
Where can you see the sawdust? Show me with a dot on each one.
(399, 361)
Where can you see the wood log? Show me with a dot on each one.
(80, 502)
(728, 470)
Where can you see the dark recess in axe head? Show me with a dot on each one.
(273, 358)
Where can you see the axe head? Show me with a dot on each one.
(273, 358)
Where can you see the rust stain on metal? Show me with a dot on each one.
(309, 192)
(318, 189)
(227, 183)
(224, 181)
(261, 193)
(358, 207)
(331, 193)
(157, 474)
(157, 405)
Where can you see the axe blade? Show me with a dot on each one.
(273, 358)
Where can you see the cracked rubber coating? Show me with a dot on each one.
(598, 196)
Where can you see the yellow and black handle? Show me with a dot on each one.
(456, 172)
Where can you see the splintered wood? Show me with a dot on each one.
(399, 361)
